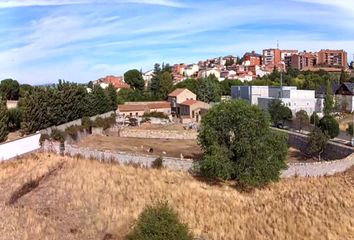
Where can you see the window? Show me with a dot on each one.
(131, 114)
(136, 114)
(192, 114)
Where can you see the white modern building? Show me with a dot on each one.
(293, 98)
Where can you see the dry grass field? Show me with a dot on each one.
(46, 196)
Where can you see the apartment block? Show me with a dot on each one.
(303, 60)
(333, 58)
(252, 59)
(271, 57)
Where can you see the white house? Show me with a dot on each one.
(293, 98)
(207, 72)
(191, 70)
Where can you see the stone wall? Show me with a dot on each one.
(163, 134)
(296, 169)
(333, 150)
(119, 157)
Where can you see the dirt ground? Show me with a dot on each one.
(149, 126)
(343, 123)
(296, 156)
(172, 148)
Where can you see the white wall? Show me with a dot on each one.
(18, 147)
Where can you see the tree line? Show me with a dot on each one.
(42, 107)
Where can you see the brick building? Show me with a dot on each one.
(333, 58)
(252, 59)
(303, 60)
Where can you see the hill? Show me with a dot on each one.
(45, 196)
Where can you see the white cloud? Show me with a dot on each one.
(168, 3)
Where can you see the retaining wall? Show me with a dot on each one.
(163, 134)
(19, 147)
(296, 169)
(120, 157)
(332, 151)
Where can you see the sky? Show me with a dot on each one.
(42, 41)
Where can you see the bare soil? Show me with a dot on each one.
(163, 147)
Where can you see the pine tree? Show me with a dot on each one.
(112, 96)
(328, 101)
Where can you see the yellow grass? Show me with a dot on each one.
(87, 199)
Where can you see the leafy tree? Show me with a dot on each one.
(209, 89)
(99, 101)
(14, 120)
(166, 84)
(227, 84)
(238, 144)
(135, 79)
(191, 84)
(314, 119)
(112, 97)
(3, 121)
(329, 125)
(328, 101)
(278, 112)
(9, 89)
(344, 76)
(24, 88)
(317, 142)
(301, 119)
(159, 222)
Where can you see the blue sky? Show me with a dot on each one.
(81, 40)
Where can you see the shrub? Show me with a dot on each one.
(105, 123)
(159, 222)
(157, 163)
(15, 119)
(72, 131)
(43, 137)
(329, 125)
(58, 135)
(155, 115)
(314, 119)
(86, 123)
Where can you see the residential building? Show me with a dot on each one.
(192, 110)
(191, 70)
(178, 96)
(287, 53)
(137, 109)
(344, 97)
(303, 60)
(333, 58)
(252, 59)
(210, 71)
(293, 98)
(117, 82)
(271, 58)
(10, 104)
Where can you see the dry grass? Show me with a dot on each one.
(87, 200)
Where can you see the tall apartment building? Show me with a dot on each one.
(252, 59)
(303, 60)
(333, 58)
(274, 57)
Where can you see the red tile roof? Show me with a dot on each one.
(190, 102)
(117, 82)
(176, 92)
(132, 107)
(159, 105)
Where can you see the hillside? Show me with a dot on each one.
(82, 199)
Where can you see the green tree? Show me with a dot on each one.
(112, 97)
(278, 112)
(317, 142)
(9, 89)
(14, 119)
(328, 101)
(99, 101)
(24, 88)
(349, 129)
(238, 144)
(155, 80)
(135, 79)
(314, 119)
(329, 125)
(301, 119)
(344, 76)
(166, 84)
(191, 84)
(227, 84)
(159, 222)
(209, 89)
(3, 121)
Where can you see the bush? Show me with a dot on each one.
(15, 119)
(43, 138)
(159, 222)
(58, 135)
(86, 123)
(314, 119)
(155, 115)
(157, 163)
(105, 123)
(239, 145)
(329, 125)
(72, 131)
